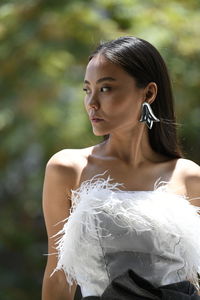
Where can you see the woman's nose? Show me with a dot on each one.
(93, 102)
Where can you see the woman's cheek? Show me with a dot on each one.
(113, 102)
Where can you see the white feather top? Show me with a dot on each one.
(156, 233)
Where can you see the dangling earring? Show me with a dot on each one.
(147, 115)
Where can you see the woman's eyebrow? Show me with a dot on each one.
(102, 79)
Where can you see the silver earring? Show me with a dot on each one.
(147, 115)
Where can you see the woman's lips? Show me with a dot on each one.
(96, 120)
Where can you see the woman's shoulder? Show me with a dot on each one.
(67, 164)
(69, 157)
(187, 168)
(188, 173)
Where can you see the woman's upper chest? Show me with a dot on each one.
(133, 178)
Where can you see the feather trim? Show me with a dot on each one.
(160, 211)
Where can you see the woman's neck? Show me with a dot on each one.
(132, 147)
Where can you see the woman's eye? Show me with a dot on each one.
(105, 89)
(87, 91)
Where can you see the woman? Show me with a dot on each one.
(130, 217)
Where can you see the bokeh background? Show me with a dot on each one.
(44, 47)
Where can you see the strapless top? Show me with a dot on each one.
(155, 233)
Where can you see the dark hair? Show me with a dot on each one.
(143, 62)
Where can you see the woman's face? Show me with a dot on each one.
(112, 101)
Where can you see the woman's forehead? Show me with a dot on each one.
(99, 65)
(98, 61)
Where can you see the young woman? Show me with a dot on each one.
(130, 201)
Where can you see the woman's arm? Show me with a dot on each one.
(59, 178)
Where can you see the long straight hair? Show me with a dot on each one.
(144, 63)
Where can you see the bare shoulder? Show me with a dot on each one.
(68, 157)
(68, 164)
(187, 172)
(61, 176)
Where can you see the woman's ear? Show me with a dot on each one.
(151, 92)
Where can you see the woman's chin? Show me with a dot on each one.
(100, 133)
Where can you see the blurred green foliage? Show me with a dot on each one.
(44, 47)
